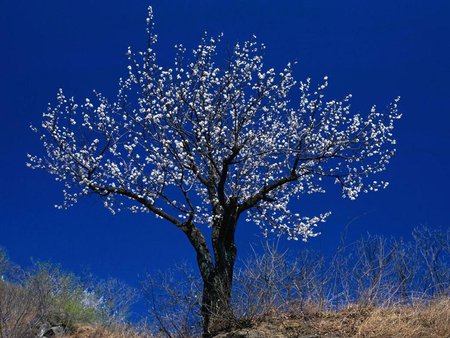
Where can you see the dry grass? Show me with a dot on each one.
(102, 332)
(430, 320)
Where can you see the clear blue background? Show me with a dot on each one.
(373, 49)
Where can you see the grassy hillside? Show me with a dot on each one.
(375, 287)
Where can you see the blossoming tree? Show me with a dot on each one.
(210, 142)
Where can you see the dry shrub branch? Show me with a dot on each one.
(372, 287)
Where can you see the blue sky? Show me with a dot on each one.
(375, 50)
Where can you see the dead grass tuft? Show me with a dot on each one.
(431, 320)
(423, 320)
(102, 332)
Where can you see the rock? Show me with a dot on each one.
(53, 331)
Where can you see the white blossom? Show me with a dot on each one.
(189, 141)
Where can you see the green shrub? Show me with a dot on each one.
(45, 295)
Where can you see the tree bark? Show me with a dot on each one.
(216, 310)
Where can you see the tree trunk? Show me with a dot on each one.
(216, 310)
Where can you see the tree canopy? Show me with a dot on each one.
(182, 142)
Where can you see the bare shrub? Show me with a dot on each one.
(257, 286)
(19, 311)
(8, 270)
(272, 283)
(174, 299)
(373, 272)
(112, 298)
(433, 247)
(374, 276)
(46, 296)
(383, 272)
